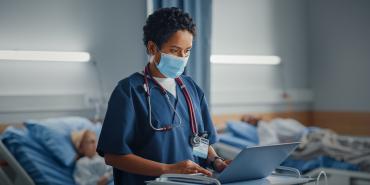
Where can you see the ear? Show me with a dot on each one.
(151, 48)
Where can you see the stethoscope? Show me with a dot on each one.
(195, 139)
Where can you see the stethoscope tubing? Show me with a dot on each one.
(193, 123)
(171, 107)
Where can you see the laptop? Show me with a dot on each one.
(255, 162)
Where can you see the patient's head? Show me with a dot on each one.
(85, 142)
(251, 119)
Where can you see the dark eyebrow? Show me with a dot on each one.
(174, 46)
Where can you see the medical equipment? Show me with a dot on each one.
(194, 138)
(167, 127)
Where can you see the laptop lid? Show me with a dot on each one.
(256, 162)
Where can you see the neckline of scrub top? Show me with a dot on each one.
(166, 80)
(169, 84)
(173, 98)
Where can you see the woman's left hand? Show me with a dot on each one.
(220, 165)
(103, 180)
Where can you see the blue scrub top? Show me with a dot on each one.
(126, 129)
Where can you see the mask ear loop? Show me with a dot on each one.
(158, 50)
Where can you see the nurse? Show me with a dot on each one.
(157, 120)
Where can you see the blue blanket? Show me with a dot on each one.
(36, 157)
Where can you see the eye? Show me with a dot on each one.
(174, 50)
(188, 52)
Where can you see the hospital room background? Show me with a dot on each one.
(300, 66)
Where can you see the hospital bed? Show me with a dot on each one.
(335, 176)
(338, 172)
(15, 169)
(40, 152)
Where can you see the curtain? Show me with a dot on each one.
(199, 62)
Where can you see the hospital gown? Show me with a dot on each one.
(88, 171)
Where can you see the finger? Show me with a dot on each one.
(204, 171)
(189, 171)
(193, 167)
(228, 161)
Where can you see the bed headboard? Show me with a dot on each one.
(351, 123)
(303, 117)
(3, 126)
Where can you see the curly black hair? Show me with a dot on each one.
(164, 22)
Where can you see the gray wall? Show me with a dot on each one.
(110, 30)
(260, 27)
(340, 54)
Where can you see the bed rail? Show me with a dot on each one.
(11, 173)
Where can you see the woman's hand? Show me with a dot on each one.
(220, 165)
(103, 180)
(186, 167)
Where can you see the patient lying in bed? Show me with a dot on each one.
(277, 130)
(314, 141)
(90, 168)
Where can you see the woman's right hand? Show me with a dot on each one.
(186, 167)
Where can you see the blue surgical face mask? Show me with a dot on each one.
(172, 66)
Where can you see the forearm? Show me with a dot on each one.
(211, 154)
(135, 164)
(217, 165)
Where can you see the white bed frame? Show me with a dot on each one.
(11, 173)
(335, 177)
(341, 177)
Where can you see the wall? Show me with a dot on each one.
(110, 31)
(339, 55)
(260, 27)
(339, 65)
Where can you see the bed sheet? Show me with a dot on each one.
(232, 137)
